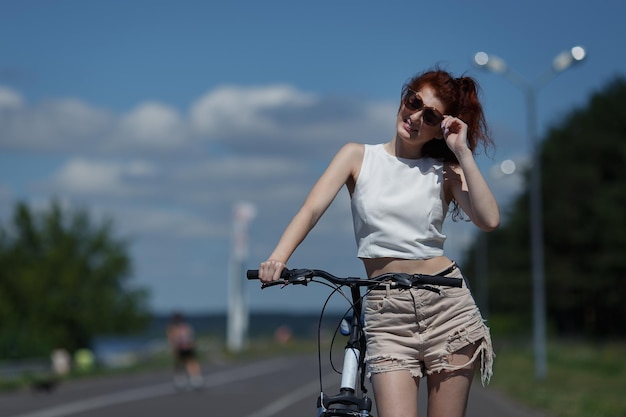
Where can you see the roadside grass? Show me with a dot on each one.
(583, 379)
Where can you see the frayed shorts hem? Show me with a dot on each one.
(389, 363)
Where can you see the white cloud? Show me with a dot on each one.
(82, 176)
(270, 120)
(239, 111)
(149, 125)
(10, 99)
(138, 168)
(54, 125)
(282, 120)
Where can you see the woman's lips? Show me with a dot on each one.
(408, 126)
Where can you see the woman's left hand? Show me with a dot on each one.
(455, 134)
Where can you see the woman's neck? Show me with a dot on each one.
(398, 148)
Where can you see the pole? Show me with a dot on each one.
(237, 322)
(536, 240)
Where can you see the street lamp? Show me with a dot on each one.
(560, 63)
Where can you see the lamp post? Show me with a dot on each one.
(560, 63)
(237, 320)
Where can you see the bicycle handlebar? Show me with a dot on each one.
(394, 280)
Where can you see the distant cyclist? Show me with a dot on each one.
(180, 336)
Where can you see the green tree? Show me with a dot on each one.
(63, 280)
(584, 196)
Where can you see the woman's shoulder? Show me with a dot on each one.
(352, 151)
(359, 149)
(353, 147)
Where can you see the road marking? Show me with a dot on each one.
(290, 398)
(210, 380)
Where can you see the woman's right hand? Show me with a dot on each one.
(270, 270)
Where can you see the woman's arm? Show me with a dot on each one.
(467, 185)
(470, 190)
(342, 169)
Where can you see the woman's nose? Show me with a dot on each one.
(416, 115)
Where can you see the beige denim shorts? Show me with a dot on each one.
(418, 330)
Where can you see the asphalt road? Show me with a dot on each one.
(280, 387)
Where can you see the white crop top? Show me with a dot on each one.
(398, 206)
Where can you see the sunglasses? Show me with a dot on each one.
(430, 115)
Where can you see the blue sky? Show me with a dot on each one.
(166, 114)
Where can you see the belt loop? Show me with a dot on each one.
(387, 289)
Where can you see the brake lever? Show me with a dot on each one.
(403, 280)
(273, 283)
(299, 277)
(294, 277)
(298, 280)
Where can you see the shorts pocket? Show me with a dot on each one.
(375, 303)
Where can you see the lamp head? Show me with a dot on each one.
(566, 59)
(490, 62)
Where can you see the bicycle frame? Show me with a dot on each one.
(347, 402)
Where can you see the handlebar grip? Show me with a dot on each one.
(443, 281)
(252, 274)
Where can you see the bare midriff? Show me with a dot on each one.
(378, 266)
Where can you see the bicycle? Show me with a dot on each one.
(352, 399)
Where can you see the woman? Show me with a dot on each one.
(180, 336)
(400, 194)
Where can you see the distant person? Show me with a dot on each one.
(180, 336)
(61, 362)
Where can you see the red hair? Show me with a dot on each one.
(460, 98)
